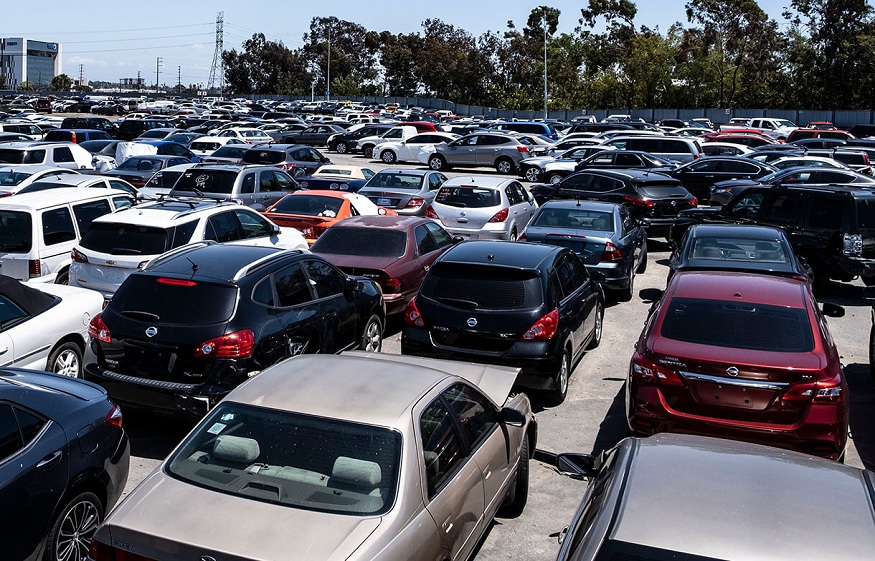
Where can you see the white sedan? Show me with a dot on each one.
(408, 150)
(45, 328)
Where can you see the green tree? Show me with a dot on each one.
(450, 64)
(266, 67)
(397, 54)
(353, 51)
(61, 83)
(26, 86)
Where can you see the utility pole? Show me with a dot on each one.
(217, 69)
(328, 82)
(157, 73)
(178, 79)
(545, 66)
(81, 76)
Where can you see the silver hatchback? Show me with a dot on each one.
(483, 207)
(503, 152)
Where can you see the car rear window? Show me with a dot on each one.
(15, 231)
(575, 218)
(309, 205)
(738, 325)
(740, 250)
(129, 239)
(171, 302)
(364, 242)
(231, 151)
(11, 178)
(266, 157)
(660, 190)
(207, 181)
(468, 286)
(11, 156)
(205, 146)
(292, 460)
(395, 180)
(468, 196)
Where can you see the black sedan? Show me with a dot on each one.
(723, 191)
(699, 175)
(604, 235)
(63, 464)
(624, 159)
(736, 247)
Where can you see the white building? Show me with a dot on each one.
(24, 59)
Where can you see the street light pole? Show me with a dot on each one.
(328, 82)
(545, 66)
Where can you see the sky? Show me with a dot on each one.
(113, 39)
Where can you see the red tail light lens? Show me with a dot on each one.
(114, 417)
(34, 268)
(639, 202)
(829, 391)
(500, 216)
(523, 149)
(97, 329)
(647, 371)
(430, 213)
(412, 315)
(232, 345)
(78, 256)
(415, 202)
(694, 202)
(544, 329)
(390, 284)
(611, 253)
(176, 282)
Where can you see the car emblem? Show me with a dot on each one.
(207, 558)
(151, 331)
(472, 322)
(732, 371)
(463, 213)
(674, 203)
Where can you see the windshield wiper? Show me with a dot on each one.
(466, 303)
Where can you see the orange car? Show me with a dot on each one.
(312, 212)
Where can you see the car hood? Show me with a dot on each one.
(206, 522)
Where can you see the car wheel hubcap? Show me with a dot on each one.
(554, 179)
(388, 157)
(532, 174)
(67, 364)
(77, 529)
(373, 337)
(504, 167)
(598, 325)
(563, 375)
(341, 148)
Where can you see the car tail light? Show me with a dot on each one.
(5, 194)
(114, 417)
(430, 213)
(389, 284)
(828, 391)
(319, 230)
(544, 329)
(694, 202)
(233, 345)
(523, 149)
(647, 371)
(611, 253)
(853, 244)
(412, 315)
(100, 551)
(78, 256)
(34, 268)
(97, 329)
(639, 202)
(415, 202)
(288, 166)
(500, 216)
(307, 232)
(176, 282)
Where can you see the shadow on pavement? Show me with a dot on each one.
(152, 436)
(862, 412)
(613, 427)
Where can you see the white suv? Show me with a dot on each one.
(114, 248)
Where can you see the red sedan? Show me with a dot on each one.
(741, 356)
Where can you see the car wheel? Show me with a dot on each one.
(342, 148)
(66, 360)
(63, 277)
(599, 324)
(554, 178)
(372, 335)
(872, 350)
(388, 157)
(368, 151)
(437, 163)
(533, 174)
(71, 533)
(513, 235)
(518, 494)
(643, 265)
(558, 394)
(627, 293)
(504, 166)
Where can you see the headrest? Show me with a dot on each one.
(236, 449)
(356, 472)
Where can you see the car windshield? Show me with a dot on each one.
(207, 181)
(362, 242)
(395, 180)
(292, 459)
(468, 196)
(310, 205)
(15, 231)
(140, 164)
(595, 220)
(171, 301)
(125, 239)
(739, 250)
(738, 325)
(11, 178)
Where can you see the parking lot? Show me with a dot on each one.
(592, 417)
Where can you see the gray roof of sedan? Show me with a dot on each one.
(580, 204)
(520, 255)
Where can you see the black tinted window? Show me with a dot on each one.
(865, 213)
(424, 242)
(826, 212)
(58, 226)
(441, 445)
(366, 242)
(15, 231)
(87, 212)
(173, 301)
(125, 239)
(10, 313)
(30, 425)
(267, 157)
(468, 196)
(482, 287)
(213, 181)
(291, 286)
(476, 415)
(63, 154)
(223, 227)
(327, 280)
(10, 437)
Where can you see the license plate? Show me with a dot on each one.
(384, 202)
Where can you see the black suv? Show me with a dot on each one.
(343, 143)
(96, 123)
(180, 334)
(296, 159)
(531, 306)
(831, 228)
(130, 129)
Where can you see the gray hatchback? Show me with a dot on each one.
(503, 152)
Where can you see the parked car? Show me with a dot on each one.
(605, 236)
(534, 168)
(137, 170)
(332, 455)
(391, 152)
(255, 186)
(544, 130)
(624, 159)
(501, 151)
(393, 251)
(163, 181)
(118, 244)
(743, 356)
(184, 138)
(57, 154)
(676, 148)
(38, 230)
(807, 161)
(296, 159)
(14, 178)
(313, 212)
(724, 149)
(698, 176)
(407, 191)
(168, 148)
(75, 135)
(314, 135)
(398, 133)
(833, 133)
(79, 181)
(63, 464)
(129, 129)
(532, 306)
(231, 154)
(98, 123)
(181, 333)
(723, 191)
(249, 135)
(207, 145)
(344, 142)
(712, 482)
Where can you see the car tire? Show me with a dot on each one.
(66, 360)
(372, 335)
(533, 174)
(388, 157)
(437, 163)
(558, 394)
(74, 527)
(368, 151)
(518, 494)
(627, 293)
(63, 277)
(504, 166)
(513, 235)
(342, 148)
(642, 267)
(599, 326)
(555, 178)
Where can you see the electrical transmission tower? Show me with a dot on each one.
(217, 70)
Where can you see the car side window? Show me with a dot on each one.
(284, 182)
(626, 217)
(63, 154)
(248, 185)
(122, 186)
(263, 292)
(266, 181)
(30, 425)
(87, 212)
(122, 202)
(476, 415)
(826, 212)
(58, 226)
(325, 278)
(581, 181)
(513, 196)
(441, 237)
(705, 166)
(292, 287)
(183, 232)
(424, 242)
(578, 270)
(631, 160)
(9, 312)
(435, 181)
(10, 435)
(441, 445)
(783, 211)
(593, 502)
(734, 166)
(223, 227)
(747, 205)
(254, 226)
(565, 273)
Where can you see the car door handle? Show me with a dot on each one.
(448, 525)
(487, 472)
(50, 460)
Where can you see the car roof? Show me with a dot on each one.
(581, 205)
(518, 255)
(749, 288)
(214, 261)
(742, 231)
(486, 181)
(52, 197)
(160, 213)
(72, 179)
(748, 499)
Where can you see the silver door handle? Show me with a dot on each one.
(50, 459)
(448, 525)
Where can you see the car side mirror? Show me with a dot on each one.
(275, 229)
(576, 466)
(457, 239)
(597, 277)
(833, 310)
(513, 417)
(350, 284)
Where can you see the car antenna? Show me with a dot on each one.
(194, 266)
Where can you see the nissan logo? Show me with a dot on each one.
(207, 558)
(472, 322)
(151, 331)
(732, 371)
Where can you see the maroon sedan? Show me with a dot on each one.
(741, 356)
(394, 251)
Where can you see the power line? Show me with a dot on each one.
(136, 39)
(19, 33)
(149, 48)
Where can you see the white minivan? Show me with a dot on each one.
(39, 230)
